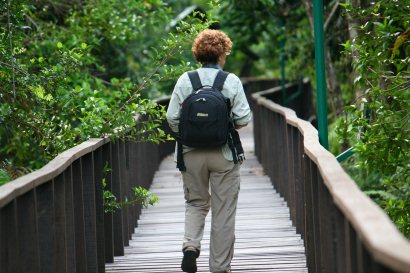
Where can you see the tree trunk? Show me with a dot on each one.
(309, 11)
(353, 25)
(333, 85)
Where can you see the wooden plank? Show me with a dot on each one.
(266, 241)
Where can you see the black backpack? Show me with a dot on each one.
(205, 119)
(205, 114)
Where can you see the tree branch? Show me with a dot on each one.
(142, 85)
(11, 49)
(331, 14)
(9, 65)
(32, 20)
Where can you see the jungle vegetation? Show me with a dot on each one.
(71, 70)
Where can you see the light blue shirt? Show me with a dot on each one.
(232, 89)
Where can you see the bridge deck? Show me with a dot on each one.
(265, 239)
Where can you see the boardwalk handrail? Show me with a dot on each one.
(52, 220)
(343, 230)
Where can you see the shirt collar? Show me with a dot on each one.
(211, 65)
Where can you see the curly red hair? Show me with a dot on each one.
(209, 45)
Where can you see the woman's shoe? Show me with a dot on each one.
(189, 261)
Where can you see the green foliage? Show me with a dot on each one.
(378, 123)
(110, 200)
(140, 196)
(335, 140)
(398, 210)
(262, 32)
(72, 70)
(396, 205)
(4, 177)
(144, 197)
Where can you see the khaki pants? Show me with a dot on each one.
(206, 168)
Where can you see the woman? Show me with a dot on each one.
(210, 176)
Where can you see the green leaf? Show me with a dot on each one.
(4, 177)
(346, 45)
(399, 41)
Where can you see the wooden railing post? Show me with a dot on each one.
(117, 191)
(9, 250)
(256, 131)
(132, 214)
(60, 241)
(340, 262)
(309, 233)
(298, 156)
(80, 244)
(290, 180)
(45, 226)
(132, 152)
(99, 207)
(351, 248)
(90, 226)
(325, 225)
(27, 240)
(108, 217)
(125, 192)
(70, 220)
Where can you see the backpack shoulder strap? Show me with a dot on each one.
(195, 80)
(220, 80)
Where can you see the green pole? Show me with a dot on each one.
(320, 73)
(282, 60)
(345, 155)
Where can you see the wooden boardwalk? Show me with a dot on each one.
(265, 239)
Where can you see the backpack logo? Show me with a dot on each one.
(202, 114)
